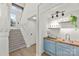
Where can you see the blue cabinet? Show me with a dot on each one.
(60, 49)
(49, 47)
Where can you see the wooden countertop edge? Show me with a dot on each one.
(55, 40)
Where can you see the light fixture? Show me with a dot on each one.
(57, 14)
(62, 14)
(52, 16)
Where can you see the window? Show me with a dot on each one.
(15, 9)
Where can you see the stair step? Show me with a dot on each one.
(16, 40)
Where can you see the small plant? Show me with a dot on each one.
(73, 20)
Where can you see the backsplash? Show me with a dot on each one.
(54, 32)
(71, 31)
(60, 33)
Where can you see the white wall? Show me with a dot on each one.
(28, 29)
(30, 9)
(4, 29)
(42, 32)
(42, 29)
(28, 26)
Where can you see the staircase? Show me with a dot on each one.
(16, 40)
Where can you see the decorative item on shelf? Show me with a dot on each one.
(73, 20)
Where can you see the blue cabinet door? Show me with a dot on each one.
(58, 49)
(49, 46)
(76, 51)
(64, 49)
(67, 50)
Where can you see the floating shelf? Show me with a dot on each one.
(53, 28)
(66, 22)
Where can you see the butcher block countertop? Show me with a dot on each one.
(61, 40)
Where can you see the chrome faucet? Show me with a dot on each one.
(67, 36)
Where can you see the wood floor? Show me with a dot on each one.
(45, 54)
(31, 51)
